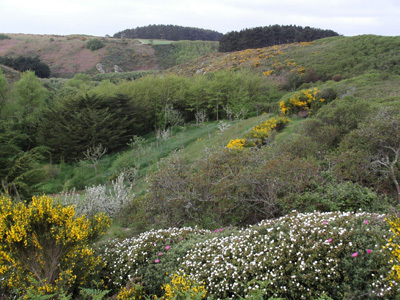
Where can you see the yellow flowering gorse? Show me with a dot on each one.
(42, 243)
(302, 101)
(182, 287)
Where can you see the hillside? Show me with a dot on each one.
(68, 55)
(270, 173)
(317, 60)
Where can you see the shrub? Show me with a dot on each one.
(94, 44)
(343, 196)
(305, 100)
(393, 246)
(4, 36)
(128, 260)
(182, 287)
(98, 200)
(44, 248)
(299, 256)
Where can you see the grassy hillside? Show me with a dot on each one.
(275, 170)
(68, 55)
(321, 59)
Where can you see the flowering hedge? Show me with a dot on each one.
(299, 256)
(129, 259)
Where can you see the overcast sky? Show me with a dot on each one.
(101, 17)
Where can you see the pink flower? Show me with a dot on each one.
(167, 247)
(157, 261)
(216, 230)
(160, 253)
(324, 222)
(369, 251)
(366, 222)
(330, 240)
(354, 254)
(180, 239)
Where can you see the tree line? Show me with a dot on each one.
(24, 63)
(259, 37)
(169, 32)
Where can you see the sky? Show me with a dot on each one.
(107, 17)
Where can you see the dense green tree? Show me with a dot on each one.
(270, 35)
(30, 98)
(23, 63)
(20, 170)
(74, 125)
(3, 91)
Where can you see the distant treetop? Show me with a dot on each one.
(169, 32)
(259, 37)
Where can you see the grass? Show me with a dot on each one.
(155, 42)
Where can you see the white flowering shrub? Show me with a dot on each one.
(128, 259)
(300, 256)
(97, 199)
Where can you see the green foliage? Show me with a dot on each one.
(4, 36)
(86, 121)
(181, 52)
(269, 36)
(118, 76)
(345, 196)
(376, 142)
(94, 44)
(23, 63)
(227, 187)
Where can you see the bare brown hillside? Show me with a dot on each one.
(68, 55)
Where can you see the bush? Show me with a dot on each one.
(128, 260)
(97, 200)
(44, 249)
(344, 196)
(94, 44)
(23, 63)
(228, 187)
(300, 256)
(4, 37)
(303, 101)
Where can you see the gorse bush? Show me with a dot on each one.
(305, 100)
(44, 248)
(393, 246)
(182, 287)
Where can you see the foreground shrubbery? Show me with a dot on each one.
(299, 256)
(46, 252)
(44, 249)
